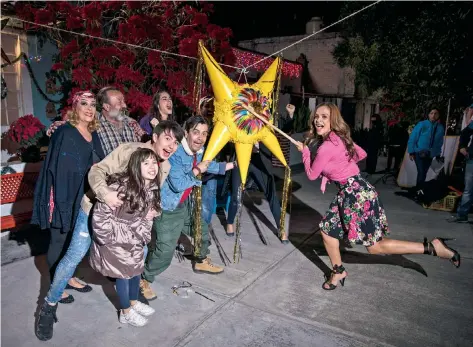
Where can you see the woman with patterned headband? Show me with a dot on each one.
(62, 183)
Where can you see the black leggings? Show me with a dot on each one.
(265, 181)
(127, 290)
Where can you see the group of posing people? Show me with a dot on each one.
(100, 185)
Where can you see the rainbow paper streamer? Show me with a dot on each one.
(244, 120)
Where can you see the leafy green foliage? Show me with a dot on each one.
(419, 53)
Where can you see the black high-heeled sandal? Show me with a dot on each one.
(337, 270)
(430, 250)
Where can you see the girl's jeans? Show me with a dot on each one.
(78, 248)
(127, 290)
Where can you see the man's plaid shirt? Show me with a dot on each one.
(111, 136)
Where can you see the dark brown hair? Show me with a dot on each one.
(337, 125)
(132, 187)
(154, 109)
(169, 126)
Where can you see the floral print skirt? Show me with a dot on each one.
(356, 213)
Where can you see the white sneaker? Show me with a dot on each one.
(143, 309)
(133, 318)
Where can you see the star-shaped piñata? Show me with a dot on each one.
(234, 123)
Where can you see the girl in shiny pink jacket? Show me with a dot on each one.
(121, 234)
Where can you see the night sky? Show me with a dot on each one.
(255, 19)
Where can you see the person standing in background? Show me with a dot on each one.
(375, 138)
(466, 149)
(397, 142)
(425, 144)
(159, 111)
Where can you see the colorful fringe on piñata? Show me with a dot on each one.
(243, 119)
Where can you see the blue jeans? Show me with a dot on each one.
(127, 290)
(467, 197)
(423, 165)
(209, 193)
(78, 248)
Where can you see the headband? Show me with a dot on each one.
(87, 95)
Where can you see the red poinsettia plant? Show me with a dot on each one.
(27, 131)
(140, 68)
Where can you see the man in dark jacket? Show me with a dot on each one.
(466, 149)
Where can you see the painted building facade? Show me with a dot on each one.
(326, 81)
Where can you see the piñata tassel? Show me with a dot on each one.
(237, 247)
(285, 197)
(196, 220)
(197, 191)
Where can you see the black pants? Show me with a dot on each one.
(396, 153)
(58, 245)
(265, 181)
(372, 159)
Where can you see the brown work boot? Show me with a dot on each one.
(146, 290)
(207, 267)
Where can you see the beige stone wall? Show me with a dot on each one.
(326, 76)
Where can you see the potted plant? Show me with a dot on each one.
(28, 134)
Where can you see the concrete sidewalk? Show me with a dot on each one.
(273, 296)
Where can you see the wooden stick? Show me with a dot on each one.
(261, 118)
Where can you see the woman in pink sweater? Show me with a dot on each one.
(356, 210)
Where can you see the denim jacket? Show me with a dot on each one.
(181, 176)
(421, 138)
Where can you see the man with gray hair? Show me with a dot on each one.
(115, 125)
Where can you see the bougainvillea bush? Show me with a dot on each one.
(163, 25)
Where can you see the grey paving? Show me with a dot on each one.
(273, 296)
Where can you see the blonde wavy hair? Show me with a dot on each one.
(73, 118)
(337, 125)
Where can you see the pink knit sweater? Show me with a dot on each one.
(332, 162)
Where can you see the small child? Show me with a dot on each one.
(120, 235)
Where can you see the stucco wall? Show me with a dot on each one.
(326, 76)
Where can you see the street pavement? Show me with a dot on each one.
(273, 295)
